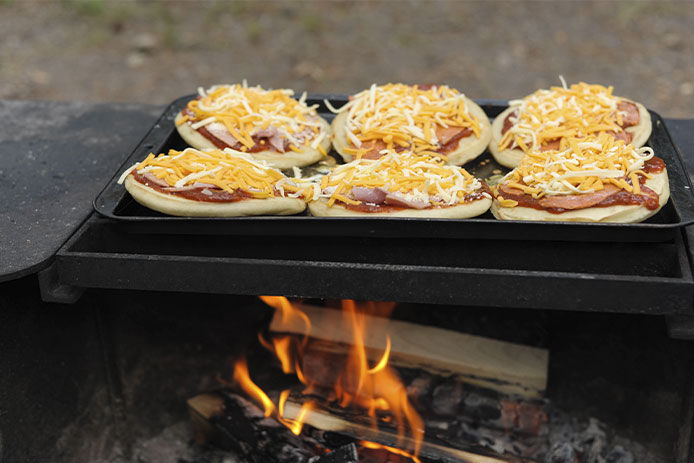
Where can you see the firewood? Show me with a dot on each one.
(229, 421)
(445, 398)
(506, 367)
(327, 421)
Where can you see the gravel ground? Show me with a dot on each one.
(156, 51)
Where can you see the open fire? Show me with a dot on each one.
(375, 389)
(351, 385)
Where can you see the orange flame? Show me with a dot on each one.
(378, 389)
(374, 445)
(243, 379)
(384, 360)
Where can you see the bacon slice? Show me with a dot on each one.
(622, 135)
(568, 202)
(630, 113)
(219, 131)
(395, 199)
(369, 195)
(154, 180)
(373, 149)
(446, 134)
(580, 201)
(274, 136)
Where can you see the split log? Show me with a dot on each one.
(505, 367)
(445, 399)
(326, 421)
(229, 421)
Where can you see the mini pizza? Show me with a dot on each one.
(593, 179)
(545, 117)
(402, 184)
(416, 118)
(270, 125)
(213, 183)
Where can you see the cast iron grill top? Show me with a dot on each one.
(115, 203)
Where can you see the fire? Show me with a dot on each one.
(243, 379)
(374, 445)
(297, 424)
(377, 389)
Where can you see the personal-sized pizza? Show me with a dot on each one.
(270, 125)
(213, 183)
(592, 179)
(416, 118)
(545, 117)
(401, 184)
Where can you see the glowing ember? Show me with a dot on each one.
(375, 446)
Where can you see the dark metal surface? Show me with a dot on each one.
(115, 203)
(593, 276)
(55, 159)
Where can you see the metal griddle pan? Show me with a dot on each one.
(115, 203)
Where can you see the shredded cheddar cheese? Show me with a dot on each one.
(246, 111)
(228, 170)
(417, 178)
(404, 116)
(560, 112)
(583, 166)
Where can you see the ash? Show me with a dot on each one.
(161, 356)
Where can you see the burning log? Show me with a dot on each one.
(446, 399)
(345, 454)
(231, 422)
(328, 421)
(502, 366)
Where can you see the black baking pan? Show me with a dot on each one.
(115, 203)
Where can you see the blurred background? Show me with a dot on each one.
(155, 51)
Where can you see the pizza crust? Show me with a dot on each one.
(511, 157)
(287, 160)
(621, 214)
(176, 205)
(468, 148)
(320, 208)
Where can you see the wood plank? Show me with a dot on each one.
(326, 421)
(499, 365)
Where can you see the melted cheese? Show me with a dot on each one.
(246, 111)
(580, 166)
(414, 177)
(229, 170)
(560, 112)
(404, 116)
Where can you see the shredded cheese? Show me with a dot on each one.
(247, 111)
(228, 170)
(562, 112)
(418, 178)
(581, 166)
(404, 116)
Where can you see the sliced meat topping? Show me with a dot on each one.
(630, 113)
(580, 111)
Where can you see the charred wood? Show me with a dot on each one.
(344, 454)
(231, 422)
(502, 366)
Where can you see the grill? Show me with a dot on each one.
(166, 307)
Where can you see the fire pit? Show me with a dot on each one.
(118, 375)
